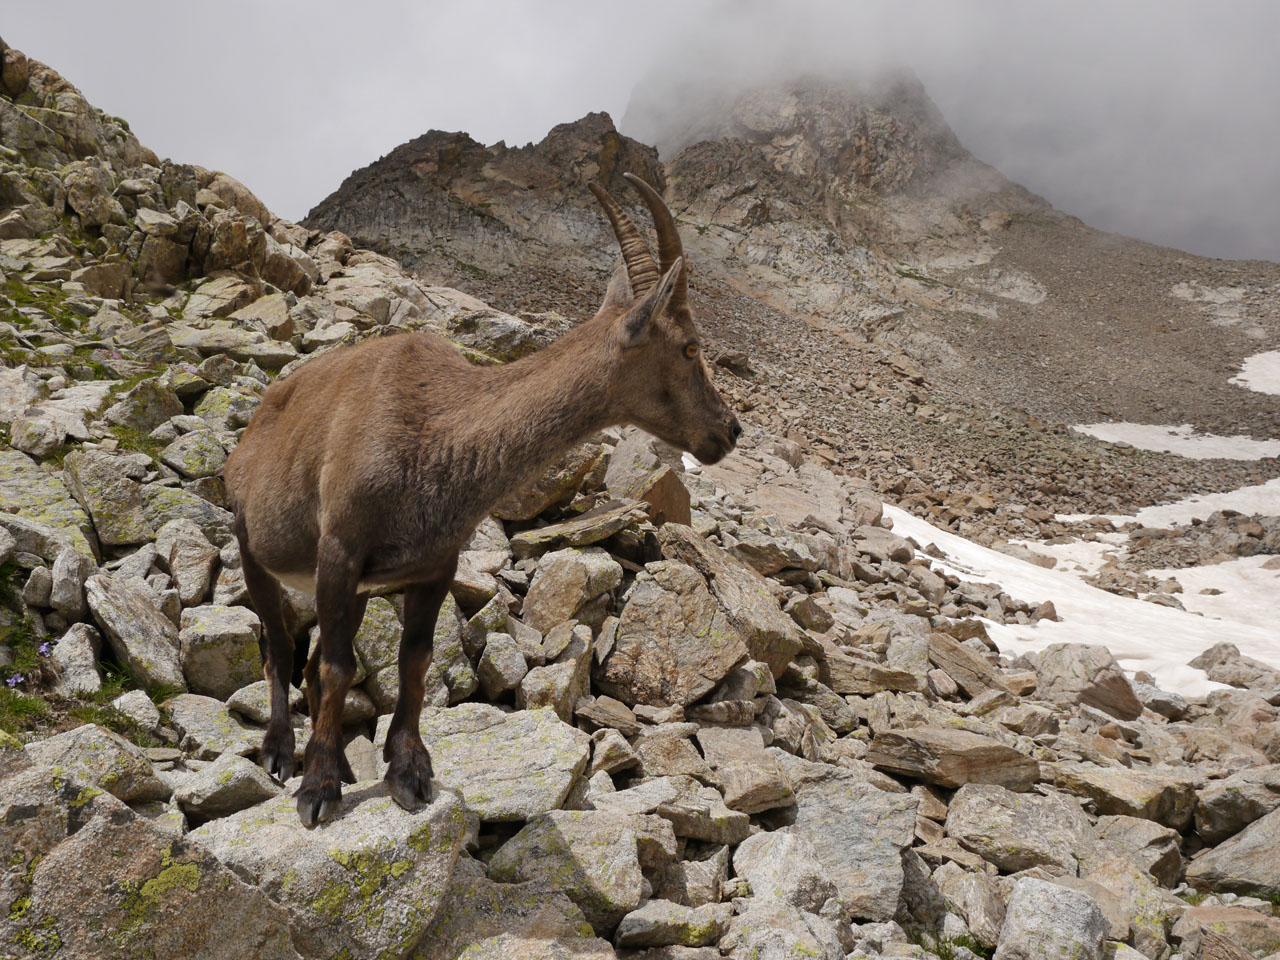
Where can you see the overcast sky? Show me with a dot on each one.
(1155, 118)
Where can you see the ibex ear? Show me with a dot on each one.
(619, 293)
(636, 324)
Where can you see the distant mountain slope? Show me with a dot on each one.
(901, 302)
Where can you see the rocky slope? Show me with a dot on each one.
(907, 313)
(674, 713)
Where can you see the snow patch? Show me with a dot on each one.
(1261, 372)
(1247, 592)
(1080, 558)
(1181, 440)
(1141, 635)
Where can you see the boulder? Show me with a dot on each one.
(1224, 663)
(1073, 673)
(975, 896)
(951, 758)
(227, 785)
(184, 550)
(95, 755)
(1246, 863)
(1047, 922)
(1253, 933)
(208, 729)
(592, 857)
(87, 878)
(1019, 831)
(143, 639)
(591, 527)
(1225, 807)
(506, 766)
(76, 655)
(857, 830)
(253, 702)
(661, 923)
(71, 570)
(556, 486)
(483, 920)
(748, 775)
(1148, 909)
(144, 406)
(1144, 843)
(367, 884)
(971, 672)
(502, 666)
(45, 518)
(195, 454)
(769, 929)
(743, 595)
(675, 641)
(109, 487)
(219, 649)
(784, 866)
(1160, 795)
(565, 581)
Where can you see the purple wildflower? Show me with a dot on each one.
(45, 649)
(16, 679)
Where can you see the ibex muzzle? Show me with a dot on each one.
(369, 467)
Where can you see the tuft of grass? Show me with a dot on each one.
(1194, 897)
(114, 720)
(131, 439)
(20, 711)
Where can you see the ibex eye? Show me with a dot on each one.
(691, 350)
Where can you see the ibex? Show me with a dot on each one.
(369, 468)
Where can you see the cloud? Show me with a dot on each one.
(1154, 118)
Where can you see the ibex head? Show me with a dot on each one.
(663, 384)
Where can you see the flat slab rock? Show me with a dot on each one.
(366, 883)
(1163, 796)
(506, 766)
(951, 758)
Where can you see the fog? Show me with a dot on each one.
(1154, 118)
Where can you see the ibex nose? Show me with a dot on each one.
(735, 428)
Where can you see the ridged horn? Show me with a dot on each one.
(669, 246)
(641, 269)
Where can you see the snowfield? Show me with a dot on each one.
(1141, 635)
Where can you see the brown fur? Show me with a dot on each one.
(369, 468)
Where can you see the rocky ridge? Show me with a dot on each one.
(674, 713)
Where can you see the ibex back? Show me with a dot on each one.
(369, 468)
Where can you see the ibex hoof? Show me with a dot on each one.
(279, 764)
(317, 804)
(277, 754)
(409, 778)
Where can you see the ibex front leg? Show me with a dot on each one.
(409, 770)
(339, 609)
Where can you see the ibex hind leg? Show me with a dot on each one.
(409, 765)
(277, 755)
(329, 674)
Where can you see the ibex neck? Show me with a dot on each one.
(541, 406)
